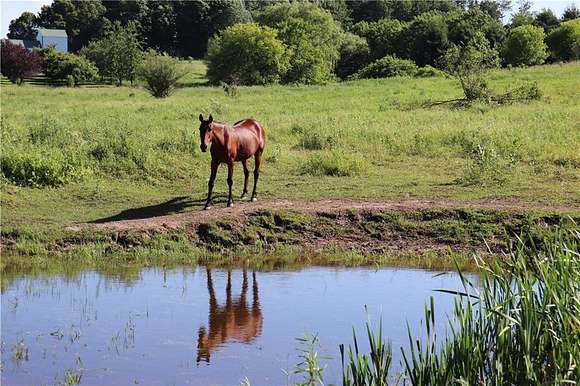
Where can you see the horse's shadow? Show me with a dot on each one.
(172, 206)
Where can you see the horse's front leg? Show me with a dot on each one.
(256, 174)
(246, 175)
(230, 183)
(214, 169)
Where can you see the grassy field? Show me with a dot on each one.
(81, 154)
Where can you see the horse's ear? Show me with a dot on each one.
(200, 118)
(210, 120)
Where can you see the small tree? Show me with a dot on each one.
(469, 64)
(72, 68)
(525, 46)
(118, 54)
(246, 54)
(160, 73)
(564, 42)
(17, 62)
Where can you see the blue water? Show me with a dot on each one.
(163, 327)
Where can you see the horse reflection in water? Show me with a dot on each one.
(234, 321)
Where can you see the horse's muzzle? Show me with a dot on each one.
(203, 147)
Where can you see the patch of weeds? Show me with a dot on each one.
(333, 163)
(314, 140)
(485, 165)
(273, 153)
(231, 89)
(20, 352)
(71, 378)
(279, 221)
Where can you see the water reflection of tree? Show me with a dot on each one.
(233, 321)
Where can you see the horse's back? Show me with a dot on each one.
(255, 127)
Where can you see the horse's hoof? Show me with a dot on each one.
(207, 207)
(230, 204)
(254, 199)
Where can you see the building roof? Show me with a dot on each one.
(55, 33)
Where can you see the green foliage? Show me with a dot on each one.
(61, 66)
(23, 27)
(486, 166)
(246, 54)
(428, 71)
(464, 26)
(517, 325)
(362, 369)
(547, 20)
(39, 169)
(333, 163)
(118, 54)
(160, 73)
(425, 39)
(312, 37)
(309, 367)
(564, 42)
(354, 54)
(469, 63)
(386, 67)
(383, 36)
(525, 46)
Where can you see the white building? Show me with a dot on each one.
(53, 37)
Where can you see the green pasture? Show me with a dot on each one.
(80, 154)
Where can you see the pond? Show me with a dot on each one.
(202, 326)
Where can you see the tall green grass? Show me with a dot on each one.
(518, 325)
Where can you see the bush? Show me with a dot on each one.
(334, 163)
(160, 73)
(246, 54)
(564, 42)
(428, 72)
(388, 66)
(38, 169)
(525, 46)
(74, 69)
(16, 62)
(312, 37)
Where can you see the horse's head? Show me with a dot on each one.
(205, 133)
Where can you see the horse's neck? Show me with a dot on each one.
(219, 131)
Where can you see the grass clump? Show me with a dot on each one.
(333, 163)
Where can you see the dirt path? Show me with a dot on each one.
(196, 215)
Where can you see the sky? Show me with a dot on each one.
(11, 9)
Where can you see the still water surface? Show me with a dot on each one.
(189, 326)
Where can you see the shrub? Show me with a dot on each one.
(160, 73)
(564, 42)
(312, 37)
(17, 62)
(334, 163)
(38, 169)
(525, 46)
(428, 71)
(61, 66)
(387, 67)
(486, 165)
(246, 54)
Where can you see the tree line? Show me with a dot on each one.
(309, 41)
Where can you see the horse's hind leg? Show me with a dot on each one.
(246, 175)
(230, 183)
(256, 174)
(214, 169)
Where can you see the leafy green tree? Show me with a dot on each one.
(425, 38)
(547, 20)
(312, 37)
(496, 9)
(118, 54)
(246, 54)
(564, 42)
(354, 55)
(463, 26)
(570, 13)
(523, 16)
(469, 63)
(83, 20)
(369, 10)
(383, 36)
(23, 27)
(525, 46)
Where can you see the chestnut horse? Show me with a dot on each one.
(229, 144)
